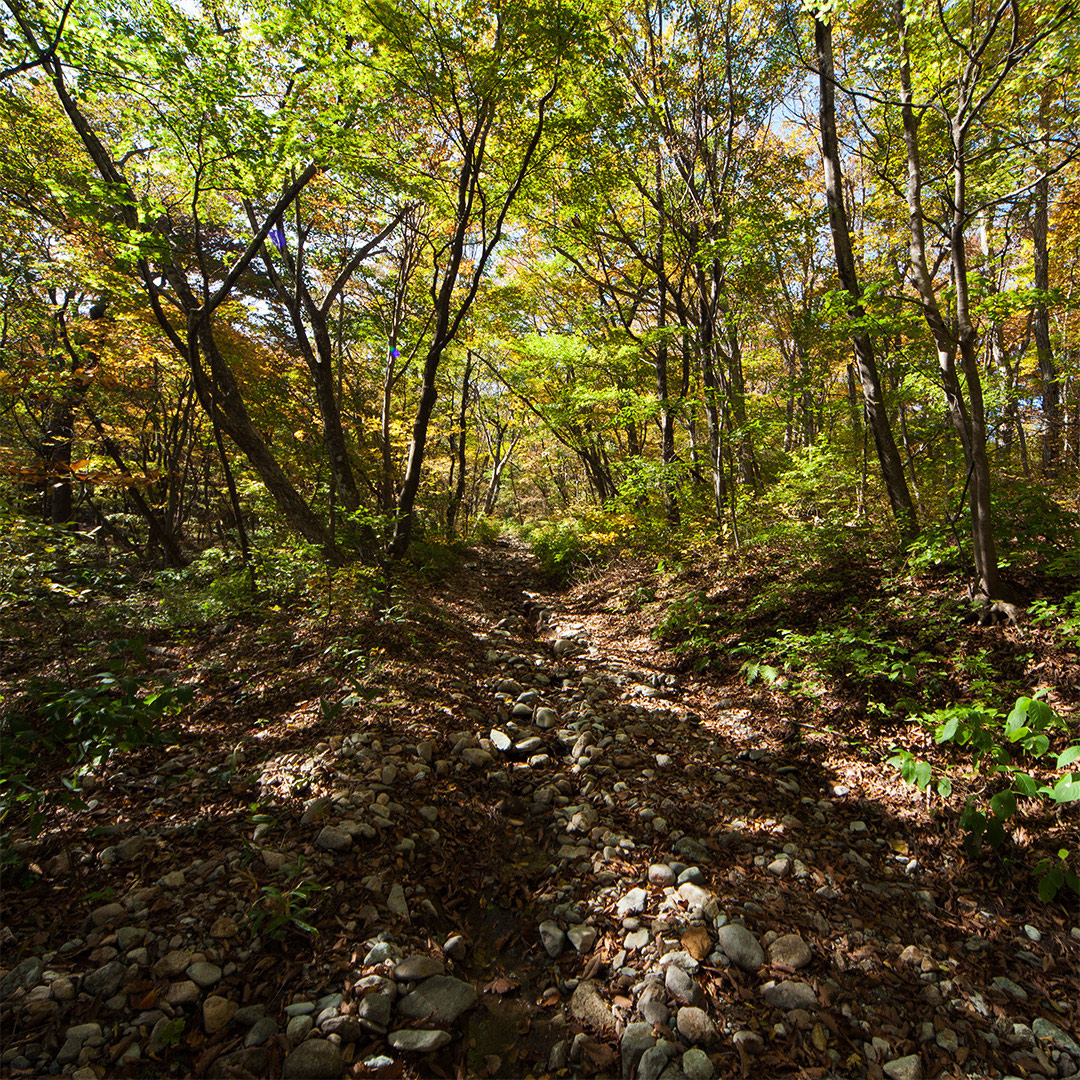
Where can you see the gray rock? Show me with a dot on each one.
(396, 902)
(1043, 1029)
(905, 1068)
(375, 1008)
(418, 967)
(297, 1028)
(316, 1059)
(1008, 987)
(638, 939)
(456, 947)
(695, 1026)
(546, 718)
(106, 913)
(697, 897)
(655, 1012)
(636, 1039)
(440, 999)
(250, 1014)
(204, 974)
(697, 1066)
(751, 1041)
(583, 938)
(587, 1006)
(331, 838)
(553, 939)
(653, 1062)
(347, 1028)
(790, 949)
(661, 874)
(185, 993)
(105, 980)
(789, 994)
(741, 946)
(500, 740)
(681, 987)
(261, 1032)
(693, 875)
(631, 903)
(414, 1041)
(82, 1032)
(383, 950)
(691, 849)
(251, 1061)
(217, 1013)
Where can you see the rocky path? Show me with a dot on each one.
(545, 853)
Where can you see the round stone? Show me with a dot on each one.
(316, 1059)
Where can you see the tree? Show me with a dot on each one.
(877, 418)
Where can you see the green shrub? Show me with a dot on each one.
(115, 712)
(1000, 748)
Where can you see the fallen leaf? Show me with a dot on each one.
(501, 985)
(697, 943)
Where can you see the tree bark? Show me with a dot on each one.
(877, 418)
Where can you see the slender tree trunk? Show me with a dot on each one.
(458, 450)
(877, 418)
(667, 420)
(1048, 375)
(970, 426)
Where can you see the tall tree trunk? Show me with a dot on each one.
(458, 450)
(667, 420)
(1048, 375)
(970, 427)
(877, 418)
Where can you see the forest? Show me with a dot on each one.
(539, 538)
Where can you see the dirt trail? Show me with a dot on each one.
(530, 845)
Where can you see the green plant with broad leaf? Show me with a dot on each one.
(281, 909)
(1003, 748)
(115, 712)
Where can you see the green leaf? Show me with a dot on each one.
(1067, 789)
(1047, 889)
(1037, 745)
(944, 787)
(947, 731)
(922, 774)
(1026, 785)
(1067, 756)
(1004, 804)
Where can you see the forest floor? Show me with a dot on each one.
(531, 841)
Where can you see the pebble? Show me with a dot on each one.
(904, 1068)
(583, 938)
(552, 938)
(695, 1026)
(631, 903)
(297, 1028)
(456, 947)
(414, 1040)
(334, 839)
(697, 1066)
(217, 1013)
(440, 1000)
(418, 967)
(790, 994)
(396, 902)
(740, 946)
(790, 949)
(204, 974)
(683, 988)
(315, 1059)
(589, 1007)
(636, 1039)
